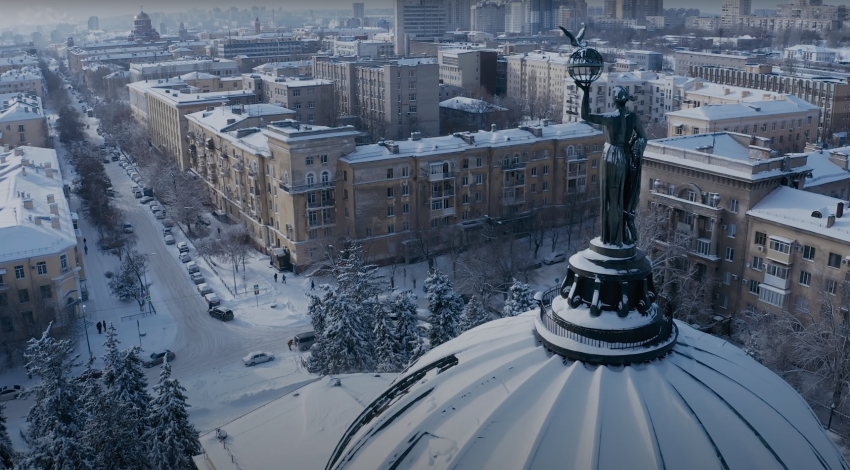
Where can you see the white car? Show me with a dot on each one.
(192, 267)
(183, 247)
(257, 357)
(557, 257)
(10, 392)
(169, 240)
(185, 258)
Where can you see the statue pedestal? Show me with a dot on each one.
(606, 309)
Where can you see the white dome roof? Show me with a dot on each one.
(496, 398)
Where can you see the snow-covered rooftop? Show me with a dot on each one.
(197, 76)
(18, 61)
(223, 117)
(495, 397)
(824, 170)
(297, 431)
(20, 108)
(450, 143)
(290, 82)
(23, 179)
(169, 90)
(793, 207)
(788, 105)
(730, 92)
(21, 75)
(463, 103)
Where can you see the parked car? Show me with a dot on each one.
(169, 239)
(191, 266)
(203, 221)
(155, 207)
(557, 257)
(204, 288)
(303, 341)
(128, 227)
(10, 392)
(115, 157)
(158, 358)
(145, 199)
(212, 300)
(185, 258)
(137, 194)
(221, 314)
(159, 215)
(535, 265)
(183, 247)
(110, 191)
(166, 231)
(197, 278)
(136, 178)
(168, 223)
(106, 160)
(257, 357)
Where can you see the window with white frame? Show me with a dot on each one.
(805, 278)
(731, 230)
(730, 254)
(771, 297)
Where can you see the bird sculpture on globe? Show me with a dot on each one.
(598, 378)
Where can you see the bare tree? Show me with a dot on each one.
(489, 269)
(232, 247)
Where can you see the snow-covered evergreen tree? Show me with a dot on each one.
(171, 438)
(317, 309)
(387, 346)
(520, 300)
(347, 341)
(55, 418)
(127, 404)
(445, 306)
(96, 421)
(8, 456)
(411, 344)
(474, 314)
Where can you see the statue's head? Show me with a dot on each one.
(622, 96)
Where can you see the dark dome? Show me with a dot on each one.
(142, 16)
(497, 398)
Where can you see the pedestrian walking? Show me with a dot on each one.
(414, 283)
(283, 278)
(312, 285)
(84, 241)
(289, 343)
(275, 277)
(219, 230)
(86, 249)
(98, 327)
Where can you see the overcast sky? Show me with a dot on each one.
(32, 12)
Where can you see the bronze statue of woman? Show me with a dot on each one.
(625, 140)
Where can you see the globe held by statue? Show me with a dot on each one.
(585, 66)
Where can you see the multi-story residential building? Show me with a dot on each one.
(646, 60)
(388, 99)
(312, 100)
(633, 9)
(829, 175)
(22, 121)
(284, 46)
(516, 14)
(364, 48)
(122, 54)
(684, 60)
(17, 62)
(94, 24)
(710, 182)
(462, 114)
(164, 104)
(468, 68)
(731, 11)
(809, 53)
(175, 68)
(539, 78)
(698, 92)
(41, 259)
(571, 14)
(418, 20)
(488, 16)
(298, 68)
(602, 95)
(359, 10)
(811, 15)
(789, 124)
(302, 187)
(25, 80)
(832, 95)
(703, 23)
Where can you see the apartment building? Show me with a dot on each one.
(419, 20)
(602, 95)
(832, 95)
(699, 92)
(732, 10)
(175, 68)
(646, 60)
(298, 68)
(710, 182)
(164, 104)
(41, 262)
(789, 124)
(364, 48)
(22, 121)
(388, 99)
(17, 62)
(122, 54)
(468, 68)
(829, 175)
(684, 60)
(539, 78)
(488, 17)
(285, 46)
(312, 100)
(25, 80)
(303, 187)
(809, 53)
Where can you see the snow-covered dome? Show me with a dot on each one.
(141, 16)
(497, 398)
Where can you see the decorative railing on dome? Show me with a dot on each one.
(621, 339)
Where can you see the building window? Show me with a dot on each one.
(834, 261)
(391, 228)
(23, 296)
(405, 190)
(809, 253)
(309, 160)
(534, 171)
(534, 188)
(41, 268)
(345, 194)
(389, 173)
(19, 272)
(391, 211)
(368, 232)
(405, 172)
(779, 246)
(545, 170)
(730, 254)
(691, 196)
(405, 208)
(412, 110)
(723, 301)
(390, 193)
(754, 287)
(465, 180)
(477, 197)
(545, 186)
(46, 291)
(311, 104)
(412, 97)
(479, 179)
(435, 223)
(311, 179)
(777, 271)
(761, 238)
(466, 198)
(771, 297)
(324, 159)
(478, 162)
(405, 226)
(805, 278)
(831, 287)
(732, 230)
(758, 263)
(801, 303)
(733, 205)
(727, 277)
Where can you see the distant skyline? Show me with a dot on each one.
(40, 12)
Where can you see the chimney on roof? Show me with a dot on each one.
(839, 210)
(47, 165)
(830, 221)
(37, 220)
(23, 171)
(28, 203)
(493, 128)
(697, 86)
(839, 159)
(54, 208)
(48, 172)
(51, 199)
(415, 136)
(54, 221)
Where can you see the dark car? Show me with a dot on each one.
(157, 358)
(203, 221)
(221, 314)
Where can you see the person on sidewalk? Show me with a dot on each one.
(283, 278)
(275, 278)
(98, 327)
(289, 343)
(86, 249)
(312, 285)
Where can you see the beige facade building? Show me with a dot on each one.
(789, 123)
(164, 104)
(176, 68)
(22, 121)
(388, 99)
(311, 99)
(25, 80)
(17, 62)
(41, 257)
(303, 187)
(540, 79)
(712, 182)
(468, 68)
(684, 60)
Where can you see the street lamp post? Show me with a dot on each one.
(86, 328)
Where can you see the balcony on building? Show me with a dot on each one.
(779, 249)
(291, 189)
(515, 162)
